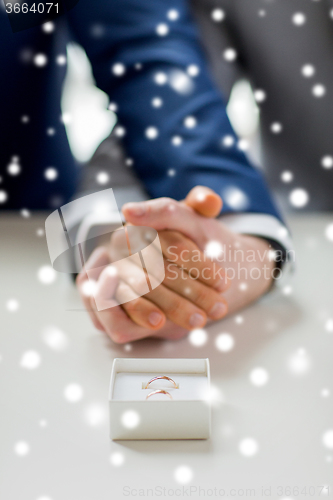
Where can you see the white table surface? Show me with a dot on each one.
(51, 448)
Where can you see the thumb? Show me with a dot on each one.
(204, 201)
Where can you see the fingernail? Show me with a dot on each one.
(218, 310)
(137, 209)
(221, 285)
(155, 318)
(197, 320)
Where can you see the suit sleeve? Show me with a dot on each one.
(146, 55)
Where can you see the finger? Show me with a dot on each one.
(181, 251)
(86, 299)
(179, 310)
(143, 312)
(166, 213)
(105, 288)
(176, 308)
(178, 250)
(180, 282)
(95, 264)
(205, 297)
(120, 327)
(204, 201)
(86, 285)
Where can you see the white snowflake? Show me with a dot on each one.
(162, 29)
(118, 69)
(183, 474)
(151, 133)
(130, 419)
(213, 249)
(327, 162)
(228, 141)
(198, 337)
(120, 131)
(329, 232)
(319, 90)
(235, 198)
(95, 415)
(299, 362)
(40, 60)
(190, 122)
(173, 14)
(230, 54)
(51, 174)
(12, 305)
(30, 360)
(3, 196)
(25, 213)
(113, 107)
(48, 27)
(276, 128)
(22, 448)
(243, 144)
(157, 102)
(46, 275)
(55, 338)
(73, 393)
(176, 140)
(160, 78)
(259, 95)
(218, 15)
(117, 459)
(308, 70)
(299, 197)
(259, 376)
(14, 168)
(224, 342)
(181, 82)
(248, 447)
(61, 60)
(97, 30)
(66, 118)
(328, 439)
(299, 18)
(287, 176)
(102, 178)
(193, 70)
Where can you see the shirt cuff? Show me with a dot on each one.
(267, 227)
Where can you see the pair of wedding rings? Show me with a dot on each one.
(160, 391)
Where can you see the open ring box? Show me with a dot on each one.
(186, 416)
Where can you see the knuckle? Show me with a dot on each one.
(201, 296)
(133, 306)
(169, 206)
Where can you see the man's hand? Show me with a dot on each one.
(197, 250)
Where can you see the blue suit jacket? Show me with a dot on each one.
(134, 65)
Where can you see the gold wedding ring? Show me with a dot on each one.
(162, 377)
(159, 391)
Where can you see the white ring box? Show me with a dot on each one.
(186, 416)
